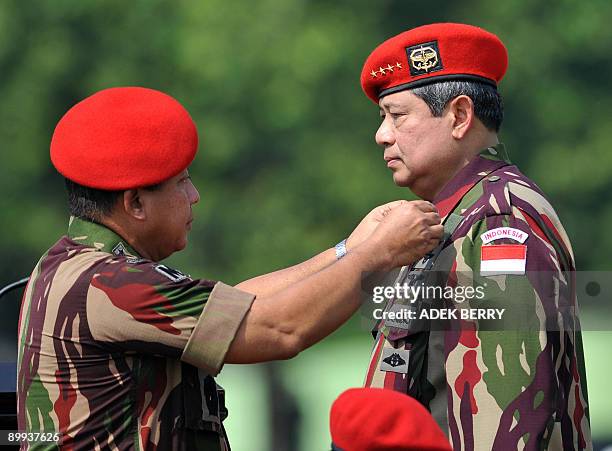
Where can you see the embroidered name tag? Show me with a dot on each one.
(504, 232)
(499, 259)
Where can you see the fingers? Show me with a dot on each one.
(437, 231)
(385, 209)
(408, 213)
(424, 206)
(408, 230)
(435, 234)
(394, 204)
(432, 218)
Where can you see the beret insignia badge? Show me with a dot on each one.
(424, 58)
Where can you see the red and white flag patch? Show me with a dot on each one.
(499, 259)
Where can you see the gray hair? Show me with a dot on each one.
(488, 103)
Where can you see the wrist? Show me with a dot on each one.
(374, 256)
(341, 249)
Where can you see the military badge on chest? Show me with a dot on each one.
(395, 360)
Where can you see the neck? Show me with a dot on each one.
(486, 139)
(467, 149)
(125, 231)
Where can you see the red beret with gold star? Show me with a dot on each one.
(431, 53)
(366, 419)
(123, 138)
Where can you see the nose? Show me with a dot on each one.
(194, 195)
(384, 135)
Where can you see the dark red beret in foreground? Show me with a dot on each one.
(376, 419)
(436, 52)
(122, 138)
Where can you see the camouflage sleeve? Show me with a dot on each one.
(516, 381)
(149, 308)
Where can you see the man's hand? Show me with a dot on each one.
(283, 323)
(369, 223)
(405, 233)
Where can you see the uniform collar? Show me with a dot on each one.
(96, 235)
(487, 161)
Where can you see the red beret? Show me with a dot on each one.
(122, 138)
(377, 419)
(436, 52)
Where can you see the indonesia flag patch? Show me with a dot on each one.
(503, 259)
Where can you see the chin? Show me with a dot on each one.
(400, 181)
(180, 246)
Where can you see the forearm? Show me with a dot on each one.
(319, 297)
(271, 283)
(322, 302)
(281, 325)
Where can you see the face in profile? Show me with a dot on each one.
(417, 145)
(169, 215)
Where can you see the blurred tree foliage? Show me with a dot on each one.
(287, 162)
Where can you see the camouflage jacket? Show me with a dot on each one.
(516, 382)
(118, 352)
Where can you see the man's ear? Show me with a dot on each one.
(462, 110)
(133, 205)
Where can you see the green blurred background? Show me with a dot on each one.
(287, 163)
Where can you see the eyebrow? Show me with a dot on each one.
(389, 105)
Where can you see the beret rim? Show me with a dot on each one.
(120, 185)
(437, 79)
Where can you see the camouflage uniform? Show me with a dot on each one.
(119, 352)
(523, 387)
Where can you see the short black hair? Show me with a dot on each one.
(488, 103)
(91, 203)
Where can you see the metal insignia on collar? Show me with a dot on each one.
(173, 274)
(424, 58)
(119, 249)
